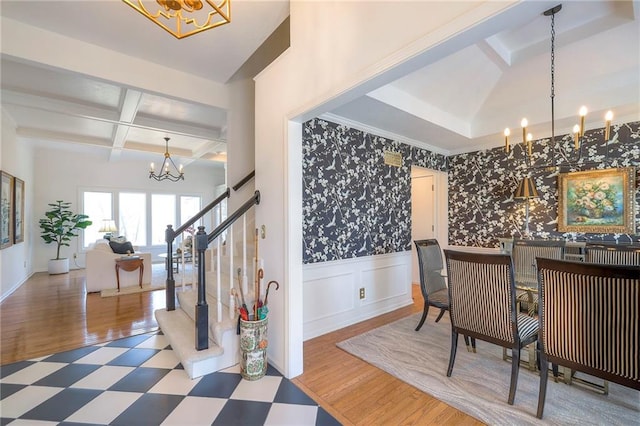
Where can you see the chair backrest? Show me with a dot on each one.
(613, 254)
(590, 318)
(482, 296)
(524, 258)
(430, 263)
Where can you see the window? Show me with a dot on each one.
(163, 213)
(133, 217)
(189, 206)
(98, 206)
(140, 217)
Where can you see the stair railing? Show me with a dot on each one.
(244, 180)
(202, 243)
(171, 234)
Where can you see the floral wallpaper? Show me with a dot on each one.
(355, 205)
(481, 185)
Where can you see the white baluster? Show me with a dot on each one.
(218, 267)
(231, 274)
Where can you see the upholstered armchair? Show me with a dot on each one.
(101, 264)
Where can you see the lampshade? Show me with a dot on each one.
(526, 189)
(108, 225)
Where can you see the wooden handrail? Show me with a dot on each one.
(201, 213)
(234, 216)
(244, 180)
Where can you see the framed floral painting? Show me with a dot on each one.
(600, 201)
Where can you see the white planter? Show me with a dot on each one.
(58, 266)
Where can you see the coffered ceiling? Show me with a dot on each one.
(459, 102)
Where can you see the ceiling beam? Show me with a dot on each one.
(128, 110)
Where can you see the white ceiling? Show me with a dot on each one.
(459, 103)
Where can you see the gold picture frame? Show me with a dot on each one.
(597, 201)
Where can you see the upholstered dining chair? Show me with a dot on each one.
(613, 254)
(589, 321)
(482, 305)
(524, 255)
(432, 283)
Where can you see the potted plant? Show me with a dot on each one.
(59, 226)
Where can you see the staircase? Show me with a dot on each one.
(201, 327)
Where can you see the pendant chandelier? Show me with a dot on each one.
(578, 130)
(182, 18)
(168, 171)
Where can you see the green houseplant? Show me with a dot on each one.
(58, 226)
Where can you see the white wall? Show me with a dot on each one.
(339, 50)
(332, 290)
(56, 180)
(16, 159)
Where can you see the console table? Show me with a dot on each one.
(129, 264)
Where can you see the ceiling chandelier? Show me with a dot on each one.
(165, 174)
(578, 130)
(182, 18)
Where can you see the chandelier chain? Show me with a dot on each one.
(553, 72)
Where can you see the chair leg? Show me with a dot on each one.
(544, 375)
(452, 355)
(472, 347)
(425, 311)
(515, 366)
(442, 311)
(554, 368)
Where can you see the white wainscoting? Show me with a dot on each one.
(331, 290)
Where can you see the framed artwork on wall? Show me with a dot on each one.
(600, 201)
(18, 212)
(6, 210)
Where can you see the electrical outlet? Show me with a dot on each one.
(361, 292)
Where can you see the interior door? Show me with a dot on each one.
(422, 212)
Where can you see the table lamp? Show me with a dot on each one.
(525, 191)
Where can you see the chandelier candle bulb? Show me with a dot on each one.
(607, 127)
(576, 132)
(583, 112)
(151, 168)
(507, 132)
(524, 124)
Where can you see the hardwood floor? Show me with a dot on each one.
(53, 313)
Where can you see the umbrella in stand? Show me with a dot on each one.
(265, 310)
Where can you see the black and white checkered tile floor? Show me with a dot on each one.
(139, 381)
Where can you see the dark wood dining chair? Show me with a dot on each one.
(524, 255)
(613, 254)
(432, 283)
(482, 305)
(589, 318)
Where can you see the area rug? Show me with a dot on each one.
(110, 292)
(479, 385)
(158, 281)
